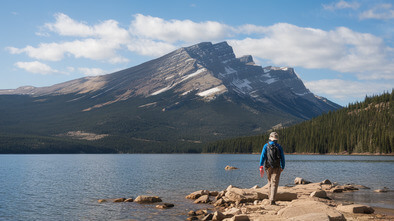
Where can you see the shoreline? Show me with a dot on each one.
(303, 201)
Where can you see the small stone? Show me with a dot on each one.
(101, 200)
(165, 206)
(384, 190)
(299, 180)
(201, 212)
(230, 168)
(326, 181)
(129, 200)
(337, 190)
(191, 213)
(119, 200)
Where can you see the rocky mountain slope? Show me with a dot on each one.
(173, 103)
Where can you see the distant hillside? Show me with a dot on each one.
(362, 127)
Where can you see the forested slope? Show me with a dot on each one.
(362, 127)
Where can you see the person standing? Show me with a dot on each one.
(273, 159)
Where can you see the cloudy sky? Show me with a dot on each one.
(342, 50)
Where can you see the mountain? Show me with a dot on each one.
(174, 103)
(362, 127)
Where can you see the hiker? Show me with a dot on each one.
(273, 159)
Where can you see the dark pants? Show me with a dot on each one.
(273, 175)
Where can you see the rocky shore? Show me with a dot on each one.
(302, 201)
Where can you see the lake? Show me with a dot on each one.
(67, 187)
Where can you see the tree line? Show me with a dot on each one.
(361, 127)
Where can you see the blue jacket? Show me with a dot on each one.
(263, 156)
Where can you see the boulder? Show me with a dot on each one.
(220, 194)
(299, 180)
(147, 199)
(230, 168)
(203, 199)
(285, 196)
(219, 202)
(129, 200)
(243, 195)
(233, 211)
(303, 207)
(319, 194)
(355, 208)
(197, 194)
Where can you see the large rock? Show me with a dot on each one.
(243, 195)
(319, 194)
(147, 199)
(356, 208)
(197, 194)
(202, 199)
(303, 207)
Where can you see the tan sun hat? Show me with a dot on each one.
(274, 136)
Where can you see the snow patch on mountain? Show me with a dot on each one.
(213, 91)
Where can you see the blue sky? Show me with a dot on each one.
(342, 50)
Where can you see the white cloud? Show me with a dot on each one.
(99, 42)
(178, 30)
(36, 67)
(66, 26)
(91, 71)
(341, 50)
(341, 5)
(282, 44)
(342, 90)
(381, 11)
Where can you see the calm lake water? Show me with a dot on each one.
(67, 187)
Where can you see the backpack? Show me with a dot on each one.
(273, 156)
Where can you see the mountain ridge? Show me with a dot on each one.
(183, 99)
